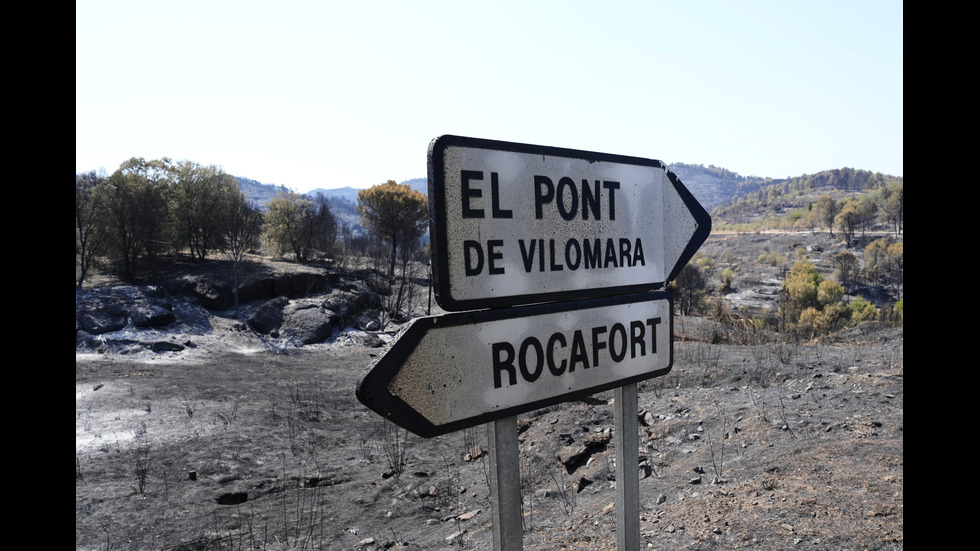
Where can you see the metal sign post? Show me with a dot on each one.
(627, 442)
(505, 484)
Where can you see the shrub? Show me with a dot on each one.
(829, 292)
(862, 310)
(771, 258)
(726, 280)
(810, 323)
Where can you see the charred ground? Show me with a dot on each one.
(753, 441)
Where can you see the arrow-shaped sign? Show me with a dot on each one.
(517, 224)
(446, 373)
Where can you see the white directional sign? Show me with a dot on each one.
(519, 224)
(449, 372)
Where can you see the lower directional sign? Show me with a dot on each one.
(450, 372)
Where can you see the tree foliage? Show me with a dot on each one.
(893, 205)
(88, 219)
(812, 305)
(322, 226)
(396, 213)
(848, 266)
(689, 288)
(136, 211)
(241, 233)
(282, 228)
(825, 212)
(295, 225)
(201, 204)
(149, 207)
(792, 203)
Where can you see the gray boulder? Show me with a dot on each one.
(306, 321)
(268, 318)
(107, 309)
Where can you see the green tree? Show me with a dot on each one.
(201, 199)
(825, 212)
(896, 263)
(241, 234)
(689, 288)
(284, 225)
(848, 266)
(894, 205)
(829, 292)
(395, 213)
(867, 213)
(811, 304)
(136, 212)
(876, 259)
(800, 289)
(321, 226)
(89, 214)
(848, 218)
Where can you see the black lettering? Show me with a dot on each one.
(638, 254)
(624, 252)
(503, 364)
(590, 200)
(573, 254)
(559, 339)
(636, 338)
(544, 192)
(554, 267)
(610, 254)
(531, 376)
(469, 192)
(597, 345)
(493, 254)
(618, 356)
(527, 255)
(563, 184)
(612, 187)
(593, 254)
(472, 270)
(579, 355)
(653, 323)
(495, 199)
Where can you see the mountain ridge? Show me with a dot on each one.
(712, 186)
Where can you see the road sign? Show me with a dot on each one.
(449, 372)
(516, 224)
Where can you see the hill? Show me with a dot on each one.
(257, 193)
(717, 189)
(712, 186)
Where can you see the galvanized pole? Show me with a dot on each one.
(627, 469)
(505, 484)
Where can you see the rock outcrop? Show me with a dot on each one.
(299, 308)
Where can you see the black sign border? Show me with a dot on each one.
(372, 385)
(438, 215)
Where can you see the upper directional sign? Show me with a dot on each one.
(449, 372)
(519, 224)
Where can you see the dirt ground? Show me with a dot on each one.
(752, 441)
(229, 445)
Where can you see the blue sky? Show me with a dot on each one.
(325, 94)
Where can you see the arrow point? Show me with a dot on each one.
(687, 225)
